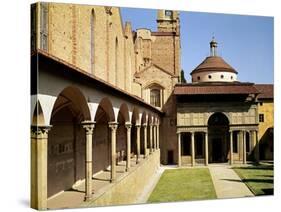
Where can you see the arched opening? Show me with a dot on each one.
(116, 61)
(218, 133)
(156, 94)
(143, 121)
(93, 25)
(135, 120)
(102, 136)
(121, 143)
(66, 141)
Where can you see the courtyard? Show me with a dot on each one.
(215, 182)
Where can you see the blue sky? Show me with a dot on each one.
(245, 42)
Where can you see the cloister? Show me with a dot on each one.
(82, 126)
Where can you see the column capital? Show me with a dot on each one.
(144, 124)
(128, 125)
(88, 126)
(113, 125)
(138, 125)
(40, 130)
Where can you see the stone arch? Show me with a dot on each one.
(72, 96)
(66, 140)
(121, 133)
(124, 111)
(224, 113)
(105, 106)
(218, 137)
(38, 116)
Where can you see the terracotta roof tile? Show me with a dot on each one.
(266, 91)
(214, 63)
(215, 88)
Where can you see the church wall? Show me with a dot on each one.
(70, 37)
(163, 53)
(267, 108)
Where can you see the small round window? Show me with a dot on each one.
(210, 77)
(222, 76)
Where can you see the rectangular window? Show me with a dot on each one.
(168, 13)
(261, 117)
(44, 26)
(261, 103)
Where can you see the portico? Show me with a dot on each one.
(80, 132)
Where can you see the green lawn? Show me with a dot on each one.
(258, 178)
(183, 184)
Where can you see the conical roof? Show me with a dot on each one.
(214, 63)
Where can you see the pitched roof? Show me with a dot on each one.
(156, 66)
(213, 63)
(94, 78)
(215, 88)
(266, 91)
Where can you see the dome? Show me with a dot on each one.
(214, 63)
(214, 68)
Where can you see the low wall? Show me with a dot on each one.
(128, 188)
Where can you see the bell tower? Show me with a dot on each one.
(168, 21)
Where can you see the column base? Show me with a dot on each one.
(88, 198)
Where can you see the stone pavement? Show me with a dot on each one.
(227, 183)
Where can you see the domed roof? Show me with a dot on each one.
(214, 63)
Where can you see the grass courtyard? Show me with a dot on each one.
(183, 184)
(258, 178)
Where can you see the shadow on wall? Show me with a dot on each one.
(266, 145)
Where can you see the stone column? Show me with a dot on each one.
(158, 136)
(128, 126)
(192, 149)
(113, 128)
(155, 137)
(244, 148)
(231, 146)
(89, 128)
(179, 149)
(145, 139)
(150, 138)
(39, 150)
(138, 126)
(240, 145)
(206, 149)
(257, 147)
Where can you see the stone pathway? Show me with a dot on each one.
(227, 183)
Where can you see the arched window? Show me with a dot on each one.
(116, 60)
(93, 19)
(155, 97)
(198, 78)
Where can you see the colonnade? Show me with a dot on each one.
(241, 142)
(39, 145)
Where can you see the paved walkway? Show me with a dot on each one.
(227, 183)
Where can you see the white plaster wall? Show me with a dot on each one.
(216, 76)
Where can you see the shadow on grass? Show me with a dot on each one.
(256, 167)
(251, 180)
(268, 191)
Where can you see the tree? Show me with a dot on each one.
(182, 78)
